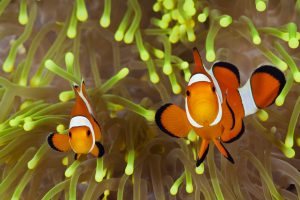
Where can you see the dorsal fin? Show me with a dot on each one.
(85, 98)
(199, 68)
(226, 74)
(82, 106)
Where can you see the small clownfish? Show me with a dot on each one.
(215, 104)
(84, 131)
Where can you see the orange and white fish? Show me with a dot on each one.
(215, 104)
(84, 131)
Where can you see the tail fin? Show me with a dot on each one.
(261, 90)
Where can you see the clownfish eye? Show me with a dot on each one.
(188, 93)
(88, 133)
(213, 89)
(70, 134)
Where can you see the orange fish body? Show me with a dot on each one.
(215, 104)
(84, 131)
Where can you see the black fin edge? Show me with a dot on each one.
(100, 148)
(229, 156)
(229, 66)
(276, 73)
(96, 122)
(200, 160)
(50, 143)
(232, 115)
(158, 119)
(238, 135)
(75, 86)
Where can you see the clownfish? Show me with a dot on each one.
(215, 104)
(84, 131)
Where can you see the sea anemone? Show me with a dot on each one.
(135, 56)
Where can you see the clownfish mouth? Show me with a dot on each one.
(79, 147)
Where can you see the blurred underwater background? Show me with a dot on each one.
(135, 56)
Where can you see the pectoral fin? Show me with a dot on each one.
(223, 150)
(172, 120)
(98, 150)
(59, 142)
(237, 126)
(235, 133)
(77, 156)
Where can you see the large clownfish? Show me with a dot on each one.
(215, 104)
(84, 131)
